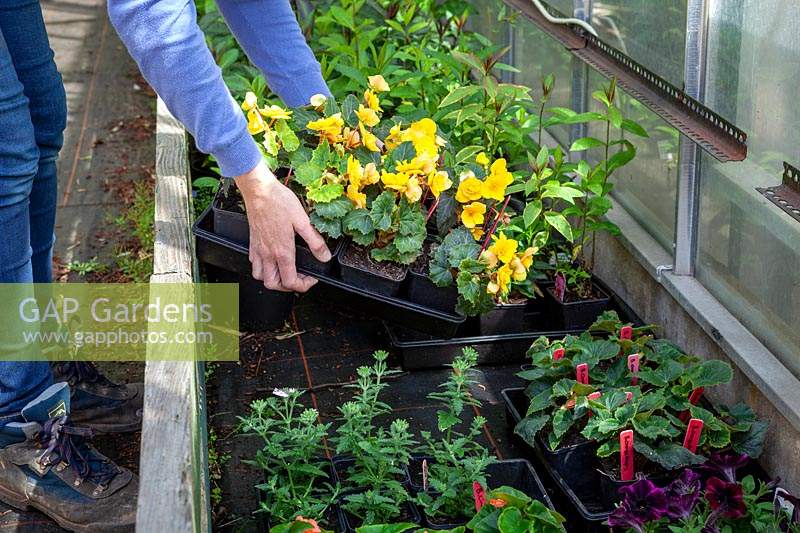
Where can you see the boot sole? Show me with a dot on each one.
(21, 504)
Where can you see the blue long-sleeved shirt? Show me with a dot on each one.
(164, 39)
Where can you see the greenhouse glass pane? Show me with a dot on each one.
(536, 55)
(653, 33)
(484, 20)
(749, 250)
(647, 186)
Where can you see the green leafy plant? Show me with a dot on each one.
(292, 457)
(458, 460)
(508, 510)
(380, 454)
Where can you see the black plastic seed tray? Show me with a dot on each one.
(223, 253)
(418, 350)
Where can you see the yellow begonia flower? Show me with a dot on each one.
(504, 248)
(367, 116)
(394, 181)
(378, 84)
(469, 190)
(494, 188)
(413, 191)
(355, 173)
(504, 278)
(439, 182)
(520, 273)
(318, 100)
(422, 134)
(394, 138)
(500, 171)
(488, 257)
(477, 233)
(255, 122)
(371, 175)
(276, 112)
(352, 139)
(371, 100)
(482, 160)
(472, 215)
(527, 257)
(250, 101)
(369, 139)
(358, 198)
(329, 128)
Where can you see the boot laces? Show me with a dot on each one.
(69, 445)
(80, 372)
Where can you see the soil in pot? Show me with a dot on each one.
(359, 269)
(575, 313)
(421, 289)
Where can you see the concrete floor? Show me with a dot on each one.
(109, 144)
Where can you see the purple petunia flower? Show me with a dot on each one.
(726, 464)
(725, 498)
(642, 502)
(682, 494)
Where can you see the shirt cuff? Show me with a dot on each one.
(239, 157)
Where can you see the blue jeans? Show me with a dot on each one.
(32, 121)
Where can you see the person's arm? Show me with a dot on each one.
(166, 43)
(270, 35)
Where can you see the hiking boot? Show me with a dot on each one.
(47, 464)
(99, 403)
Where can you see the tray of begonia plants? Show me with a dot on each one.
(614, 404)
(428, 231)
(381, 474)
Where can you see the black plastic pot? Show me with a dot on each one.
(422, 291)
(348, 523)
(264, 520)
(577, 486)
(419, 351)
(225, 254)
(506, 318)
(260, 309)
(516, 473)
(579, 314)
(564, 459)
(306, 261)
(369, 280)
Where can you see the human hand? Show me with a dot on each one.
(275, 215)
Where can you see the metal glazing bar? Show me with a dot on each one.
(688, 193)
(685, 113)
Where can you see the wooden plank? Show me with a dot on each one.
(172, 465)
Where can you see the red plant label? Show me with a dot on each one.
(626, 470)
(628, 396)
(633, 367)
(582, 373)
(479, 494)
(558, 353)
(625, 333)
(692, 438)
(694, 397)
(595, 396)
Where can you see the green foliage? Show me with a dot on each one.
(292, 457)
(519, 513)
(379, 453)
(666, 379)
(458, 460)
